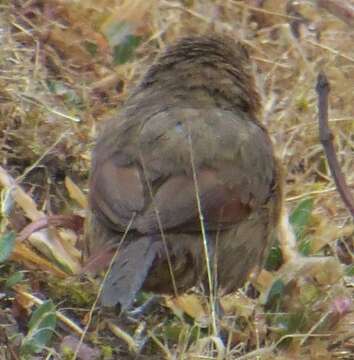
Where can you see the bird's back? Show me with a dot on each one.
(189, 131)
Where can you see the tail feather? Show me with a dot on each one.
(128, 273)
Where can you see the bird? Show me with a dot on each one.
(184, 179)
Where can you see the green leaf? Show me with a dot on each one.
(41, 328)
(123, 52)
(7, 243)
(275, 258)
(122, 39)
(91, 47)
(275, 292)
(14, 279)
(297, 321)
(305, 247)
(300, 217)
(349, 270)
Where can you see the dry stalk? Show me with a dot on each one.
(205, 240)
(326, 138)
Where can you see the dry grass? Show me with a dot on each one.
(58, 82)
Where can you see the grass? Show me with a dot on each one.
(65, 67)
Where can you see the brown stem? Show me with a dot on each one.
(296, 19)
(326, 138)
(74, 222)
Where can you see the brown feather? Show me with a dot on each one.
(199, 98)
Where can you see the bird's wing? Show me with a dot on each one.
(225, 159)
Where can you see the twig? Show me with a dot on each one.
(298, 21)
(129, 340)
(68, 322)
(329, 49)
(326, 138)
(309, 194)
(73, 222)
(315, 327)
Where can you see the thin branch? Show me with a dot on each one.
(68, 322)
(73, 222)
(326, 138)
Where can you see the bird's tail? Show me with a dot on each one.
(128, 272)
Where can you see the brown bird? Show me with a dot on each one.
(188, 133)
